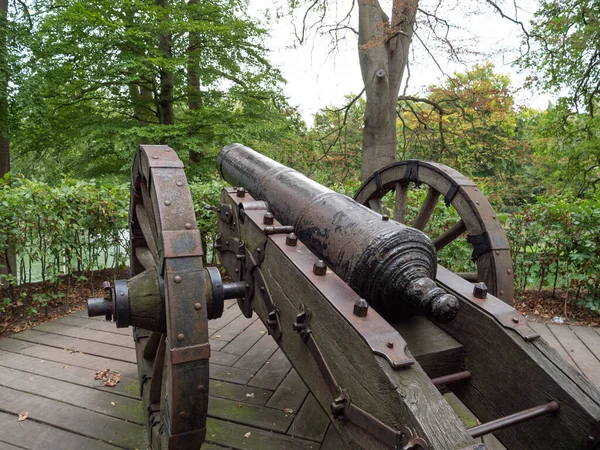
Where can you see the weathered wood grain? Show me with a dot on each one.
(258, 355)
(332, 440)
(239, 393)
(253, 415)
(590, 338)
(547, 335)
(246, 339)
(583, 357)
(89, 334)
(311, 422)
(291, 393)
(272, 372)
(100, 324)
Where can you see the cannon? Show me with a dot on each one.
(358, 303)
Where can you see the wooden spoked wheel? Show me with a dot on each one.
(478, 223)
(173, 355)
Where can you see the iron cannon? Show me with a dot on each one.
(356, 300)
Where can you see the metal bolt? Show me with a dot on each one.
(380, 73)
(480, 290)
(361, 307)
(179, 183)
(155, 157)
(180, 337)
(182, 414)
(197, 306)
(515, 319)
(320, 268)
(201, 388)
(385, 218)
(177, 279)
(106, 285)
(167, 149)
(291, 240)
(509, 271)
(188, 226)
(168, 202)
(390, 344)
(268, 218)
(241, 192)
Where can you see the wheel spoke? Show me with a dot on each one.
(375, 205)
(427, 209)
(401, 203)
(449, 235)
(144, 256)
(473, 277)
(157, 371)
(144, 220)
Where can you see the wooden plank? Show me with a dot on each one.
(311, 422)
(228, 316)
(246, 413)
(38, 436)
(239, 393)
(78, 345)
(223, 359)
(272, 373)
(290, 393)
(67, 357)
(234, 328)
(437, 352)
(258, 355)
(100, 325)
(72, 394)
(547, 335)
(244, 341)
(78, 420)
(7, 446)
(585, 360)
(332, 440)
(589, 337)
(217, 344)
(59, 371)
(231, 435)
(88, 334)
(231, 374)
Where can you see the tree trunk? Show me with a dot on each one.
(193, 73)
(165, 98)
(383, 53)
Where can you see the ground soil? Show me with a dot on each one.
(536, 306)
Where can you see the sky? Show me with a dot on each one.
(317, 79)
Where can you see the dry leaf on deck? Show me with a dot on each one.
(247, 435)
(23, 416)
(250, 395)
(113, 403)
(288, 410)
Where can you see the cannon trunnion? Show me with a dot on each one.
(337, 287)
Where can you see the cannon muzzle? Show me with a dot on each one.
(389, 264)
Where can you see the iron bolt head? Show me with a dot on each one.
(390, 344)
(268, 218)
(106, 285)
(240, 192)
(320, 268)
(385, 218)
(480, 290)
(361, 307)
(291, 240)
(515, 320)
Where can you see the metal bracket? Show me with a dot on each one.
(504, 314)
(452, 190)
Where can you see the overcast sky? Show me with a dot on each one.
(316, 79)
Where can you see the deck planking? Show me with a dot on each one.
(257, 400)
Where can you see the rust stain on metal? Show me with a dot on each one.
(182, 355)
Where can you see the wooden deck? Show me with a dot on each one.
(257, 401)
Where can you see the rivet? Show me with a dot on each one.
(515, 319)
(188, 225)
(320, 268)
(390, 344)
(477, 203)
(497, 252)
(177, 279)
(268, 218)
(182, 414)
(168, 202)
(493, 217)
(167, 149)
(501, 291)
(122, 294)
(291, 240)
(179, 183)
(201, 388)
(180, 337)
(385, 218)
(509, 271)
(197, 306)
(155, 157)
(258, 250)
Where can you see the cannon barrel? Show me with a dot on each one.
(389, 264)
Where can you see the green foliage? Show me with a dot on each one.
(556, 243)
(205, 195)
(74, 226)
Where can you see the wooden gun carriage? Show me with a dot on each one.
(373, 325)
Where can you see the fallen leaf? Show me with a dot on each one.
(217, 336)
(113, 403)
(250, 395)
(23, 416)
(101, 374)
(239, 405)
(288, 410)
(64, 367)
(261, 332)
(247, 435)
(113, 380)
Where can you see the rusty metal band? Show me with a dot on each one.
(188, 354)
(504, 314)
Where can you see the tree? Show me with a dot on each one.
(99, 76)
(4, 140)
